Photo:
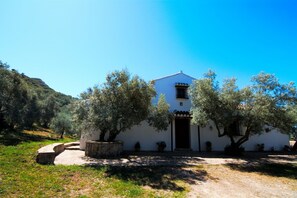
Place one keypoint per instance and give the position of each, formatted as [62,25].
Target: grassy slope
[21,176]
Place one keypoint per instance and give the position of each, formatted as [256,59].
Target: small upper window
[182,90]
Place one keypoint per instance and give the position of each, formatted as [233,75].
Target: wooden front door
[182,133]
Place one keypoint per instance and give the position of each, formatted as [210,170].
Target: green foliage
[265,103]
[27,101]
[160,115]
[120,103]
[62,124]
[81,115]
[13,99]
[48,108]
[32,112]
[294,133]
[161,146]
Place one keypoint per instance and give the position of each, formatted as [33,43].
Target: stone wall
[103,149]
[47,154]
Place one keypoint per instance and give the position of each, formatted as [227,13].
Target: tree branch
[232,139]
[219,131]
[245,137]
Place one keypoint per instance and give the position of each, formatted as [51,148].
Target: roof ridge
[173,75]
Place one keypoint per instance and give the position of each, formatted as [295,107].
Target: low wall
[103,149]
[47,154]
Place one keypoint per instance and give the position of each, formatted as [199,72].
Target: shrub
[137,147]
[208,146]
[260,147]
[161,146]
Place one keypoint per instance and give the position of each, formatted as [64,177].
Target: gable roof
[181,72]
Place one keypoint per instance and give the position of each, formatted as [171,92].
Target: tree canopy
[121,102]
[61,123]
[239,113]
[26,101]
[160,116]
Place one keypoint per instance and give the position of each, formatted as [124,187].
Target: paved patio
[77,157]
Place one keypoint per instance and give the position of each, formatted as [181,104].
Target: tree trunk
[235,148]
[112,136]
[102,135]
[62,134]
[239,142]
[3,124]
[45,125]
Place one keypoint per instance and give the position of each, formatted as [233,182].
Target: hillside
[41,88]
[26,101]
[37,82]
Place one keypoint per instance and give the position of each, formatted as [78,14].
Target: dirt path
[225,182]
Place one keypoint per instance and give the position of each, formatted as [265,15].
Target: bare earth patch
[225,182]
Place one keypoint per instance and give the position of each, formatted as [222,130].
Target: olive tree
[61,124]
[254,109]
[14,99]
[121,102]
[160,116]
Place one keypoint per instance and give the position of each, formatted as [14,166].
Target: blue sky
[73,44]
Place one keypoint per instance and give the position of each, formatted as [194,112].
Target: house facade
[181,134]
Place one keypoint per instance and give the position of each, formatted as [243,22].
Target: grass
[21,176]
[9,138]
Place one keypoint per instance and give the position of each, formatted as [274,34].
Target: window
[181,90]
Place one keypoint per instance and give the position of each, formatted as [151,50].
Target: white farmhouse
[181,134]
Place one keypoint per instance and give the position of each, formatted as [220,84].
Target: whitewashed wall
[271,139]
[166,86]
[88,135]
[209,133]
[194,138]
[146,136]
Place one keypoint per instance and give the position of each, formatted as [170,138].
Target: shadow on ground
[160,177]
[288,157]
[287,170]
[12,138]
